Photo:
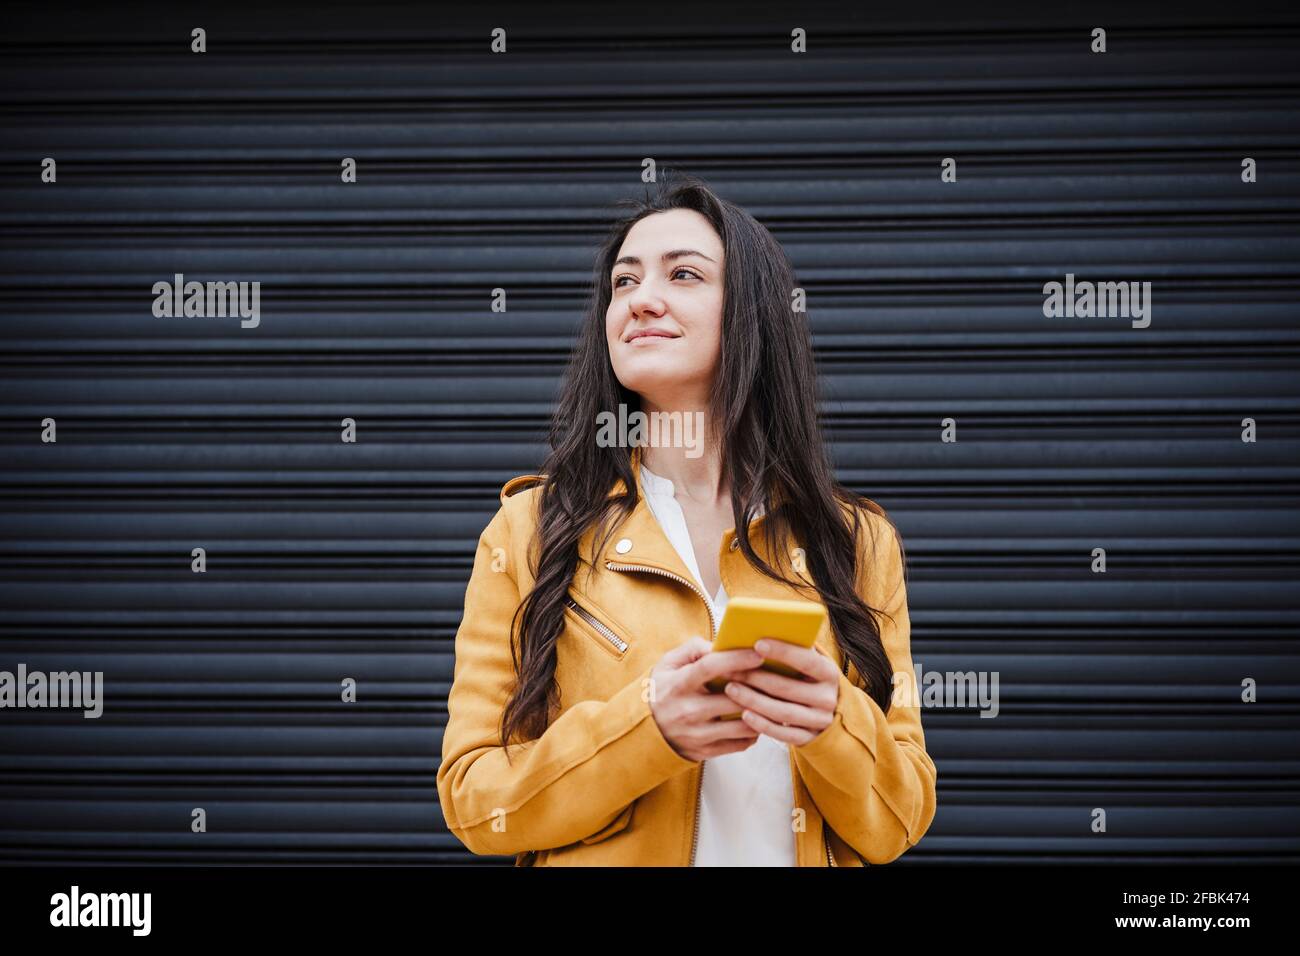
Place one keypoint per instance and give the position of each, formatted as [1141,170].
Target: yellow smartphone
[747,619]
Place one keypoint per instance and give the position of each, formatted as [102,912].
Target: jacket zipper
[601,629]
[699,786]
[695,832]
[826,838]
[668,574]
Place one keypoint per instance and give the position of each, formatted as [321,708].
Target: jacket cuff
[844,755]
[856,715]
[613,748]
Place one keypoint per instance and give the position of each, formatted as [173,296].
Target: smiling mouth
[650,336]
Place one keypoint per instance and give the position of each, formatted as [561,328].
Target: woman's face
[664,322]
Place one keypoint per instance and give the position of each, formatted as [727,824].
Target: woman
[579,726]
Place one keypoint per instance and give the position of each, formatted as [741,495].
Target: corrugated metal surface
[331,560]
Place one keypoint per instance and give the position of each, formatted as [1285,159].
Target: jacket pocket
[619,823]
[604,635]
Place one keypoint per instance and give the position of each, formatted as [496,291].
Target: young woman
[579,725]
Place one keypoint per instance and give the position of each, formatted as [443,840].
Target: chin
[652,378]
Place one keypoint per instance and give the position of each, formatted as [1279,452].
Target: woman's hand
[789,709]
[687,712]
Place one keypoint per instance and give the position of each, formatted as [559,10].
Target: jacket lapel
[645,543]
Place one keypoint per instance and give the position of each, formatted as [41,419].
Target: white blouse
[747,798]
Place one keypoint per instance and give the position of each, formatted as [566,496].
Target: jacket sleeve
[868,773]
[573,781]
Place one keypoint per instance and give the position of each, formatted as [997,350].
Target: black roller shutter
[329,560]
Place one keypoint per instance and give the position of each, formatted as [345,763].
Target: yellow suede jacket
[602,786]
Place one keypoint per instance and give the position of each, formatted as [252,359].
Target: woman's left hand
[788,709]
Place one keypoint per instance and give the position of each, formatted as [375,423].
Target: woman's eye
[618,281]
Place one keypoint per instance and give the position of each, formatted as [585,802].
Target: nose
[645,299]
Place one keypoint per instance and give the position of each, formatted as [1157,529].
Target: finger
[720,663]
[739,673]
[795,736]
[806,660]
[714,706]
[686,652]
[713,731]
[774,709]
[811,693]
[731,747]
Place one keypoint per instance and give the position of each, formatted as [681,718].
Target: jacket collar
[648,546]
[640,534]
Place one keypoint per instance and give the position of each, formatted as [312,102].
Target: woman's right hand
[687,711]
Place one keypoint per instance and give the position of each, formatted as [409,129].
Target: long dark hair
[763,415]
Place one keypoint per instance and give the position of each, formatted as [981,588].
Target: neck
[695,471]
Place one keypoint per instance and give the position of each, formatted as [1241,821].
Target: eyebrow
[666,257]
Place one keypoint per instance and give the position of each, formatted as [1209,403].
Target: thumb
[687,652]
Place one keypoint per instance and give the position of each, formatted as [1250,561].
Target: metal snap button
[624,546]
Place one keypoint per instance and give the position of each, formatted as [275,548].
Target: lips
[651,333]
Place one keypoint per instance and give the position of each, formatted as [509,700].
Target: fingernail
[761,646]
